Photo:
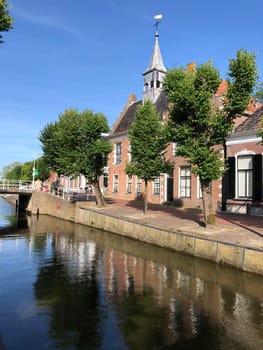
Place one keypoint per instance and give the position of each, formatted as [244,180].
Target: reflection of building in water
[78,256]
[192,302]
[191,297]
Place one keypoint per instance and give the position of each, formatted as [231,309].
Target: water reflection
[72,299]
[113,293]
[9,219]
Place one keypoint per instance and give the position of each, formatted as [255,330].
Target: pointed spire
[156,61]
[156,71]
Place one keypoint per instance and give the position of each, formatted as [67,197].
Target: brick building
[244,187]
[180,186]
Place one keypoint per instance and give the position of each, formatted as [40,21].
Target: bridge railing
[71,194]
[14,184]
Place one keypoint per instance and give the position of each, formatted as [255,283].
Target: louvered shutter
[257,177]
[231,177]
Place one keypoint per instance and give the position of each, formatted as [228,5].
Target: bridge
[14,186]
[19,188]
[24,190]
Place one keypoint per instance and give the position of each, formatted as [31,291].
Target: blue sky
[92,53]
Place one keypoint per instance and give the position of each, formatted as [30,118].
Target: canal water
[65,286]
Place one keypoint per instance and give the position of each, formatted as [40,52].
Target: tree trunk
[146,197]
[99,196]
[209,213]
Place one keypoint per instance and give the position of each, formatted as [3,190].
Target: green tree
[26,171]
[8,168]
[198,125]
[148,140]
[43,170]
[5,20]
[260,133]
[259,92]
[50,147]
[242,80]
[74,145]
[23,171]
[13,171]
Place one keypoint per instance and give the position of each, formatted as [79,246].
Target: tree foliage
[148,140]
[12,171]
[260,132]
[8,168]
[23,171]
[5,20]
[73,145]
[259,92]
[198,125]
[242,80]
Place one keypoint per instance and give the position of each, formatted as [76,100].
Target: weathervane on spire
[158,19]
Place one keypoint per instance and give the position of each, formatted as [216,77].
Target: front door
[170,189]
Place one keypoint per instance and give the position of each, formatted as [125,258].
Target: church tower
[155,73]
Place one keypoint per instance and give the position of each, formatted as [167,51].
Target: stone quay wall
[238,256]
[42,203]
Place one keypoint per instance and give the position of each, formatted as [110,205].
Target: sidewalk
[231,228]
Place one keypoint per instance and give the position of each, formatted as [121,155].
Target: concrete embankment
[241,256]
[42,203]
[10,198]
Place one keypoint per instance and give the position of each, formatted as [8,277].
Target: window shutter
[257,177]
[231,177]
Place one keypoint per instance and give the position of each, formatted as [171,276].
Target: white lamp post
[34,171]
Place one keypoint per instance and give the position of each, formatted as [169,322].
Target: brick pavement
[232,228]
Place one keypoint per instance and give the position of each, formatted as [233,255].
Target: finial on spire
[158,19]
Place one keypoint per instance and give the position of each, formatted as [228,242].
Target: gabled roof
[128,115]
[221,92]
[127,118]
[251,124]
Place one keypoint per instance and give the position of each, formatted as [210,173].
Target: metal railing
[13,184]
[73,194]
[70,194]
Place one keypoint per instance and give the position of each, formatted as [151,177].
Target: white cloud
[43,20]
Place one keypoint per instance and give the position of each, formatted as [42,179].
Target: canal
[66,286]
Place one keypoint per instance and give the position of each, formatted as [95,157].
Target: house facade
[244,185]
[180,185]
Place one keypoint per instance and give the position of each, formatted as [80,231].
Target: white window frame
[157,186]
[118,152]
[129,153]
[174,146]
[185,190]
[129,184]
[199,189]
[138,185]
[244,176]
[115,183]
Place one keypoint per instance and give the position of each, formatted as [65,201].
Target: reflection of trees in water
[142,320]
[157,305]
[2,346]
[146,324]
[73,304]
